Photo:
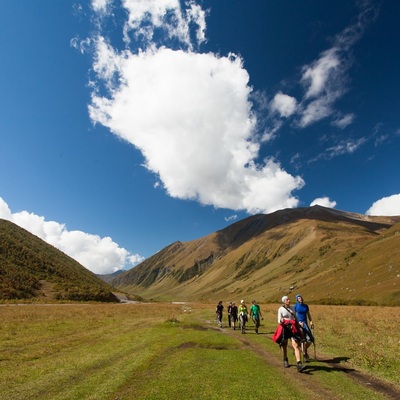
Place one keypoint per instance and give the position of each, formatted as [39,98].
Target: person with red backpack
[289,329]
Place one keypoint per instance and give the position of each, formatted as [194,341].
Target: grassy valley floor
[175,351]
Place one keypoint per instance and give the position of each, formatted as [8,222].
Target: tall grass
[173,351]
[367,336]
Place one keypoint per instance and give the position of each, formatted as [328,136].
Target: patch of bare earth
[47,289]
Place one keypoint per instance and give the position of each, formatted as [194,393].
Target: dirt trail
[308,381]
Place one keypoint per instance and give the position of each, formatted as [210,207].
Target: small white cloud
[99,255]
[316,110]
[231,218]
[318,75]
[147,18]
[386,206]
[296,161]
[380,139]
[324,202]
[345,147]
[82,45]
[100,6]
[283,104]
[197,15]
[269,133]
[343,121]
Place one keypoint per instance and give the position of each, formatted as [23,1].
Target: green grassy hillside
[32,269]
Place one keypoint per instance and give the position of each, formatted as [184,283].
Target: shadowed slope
[31,268]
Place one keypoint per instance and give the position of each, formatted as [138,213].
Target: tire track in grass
[309,382]
[291,374]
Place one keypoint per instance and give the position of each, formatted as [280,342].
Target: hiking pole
[315,351]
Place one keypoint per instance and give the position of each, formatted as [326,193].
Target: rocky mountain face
[327,255]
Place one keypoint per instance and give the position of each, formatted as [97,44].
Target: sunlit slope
[327,255]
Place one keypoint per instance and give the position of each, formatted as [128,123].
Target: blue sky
[128,125]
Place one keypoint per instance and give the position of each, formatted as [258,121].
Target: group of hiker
[234,312]
[294,323]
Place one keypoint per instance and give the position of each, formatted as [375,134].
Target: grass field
[175,351]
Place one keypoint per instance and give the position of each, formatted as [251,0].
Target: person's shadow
[335,360]
[333,365]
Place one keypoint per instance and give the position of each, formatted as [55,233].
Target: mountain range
[327,255]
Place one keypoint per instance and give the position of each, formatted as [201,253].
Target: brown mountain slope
[32,269]
[327,255]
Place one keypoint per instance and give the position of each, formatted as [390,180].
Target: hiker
[218,313]
[303,314]
[244,313]
[234,315]
[289,324]
[243,310]
[229,309]
[255,314]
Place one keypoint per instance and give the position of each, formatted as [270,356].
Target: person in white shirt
[288,319]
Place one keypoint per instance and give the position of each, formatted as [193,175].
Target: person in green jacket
[255,314]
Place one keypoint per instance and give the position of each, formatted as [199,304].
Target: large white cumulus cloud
[99,255]
[386,206]
[188,112]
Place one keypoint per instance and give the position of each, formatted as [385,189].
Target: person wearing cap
[303,314]
[243,310]
[255,314]
[288,319]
